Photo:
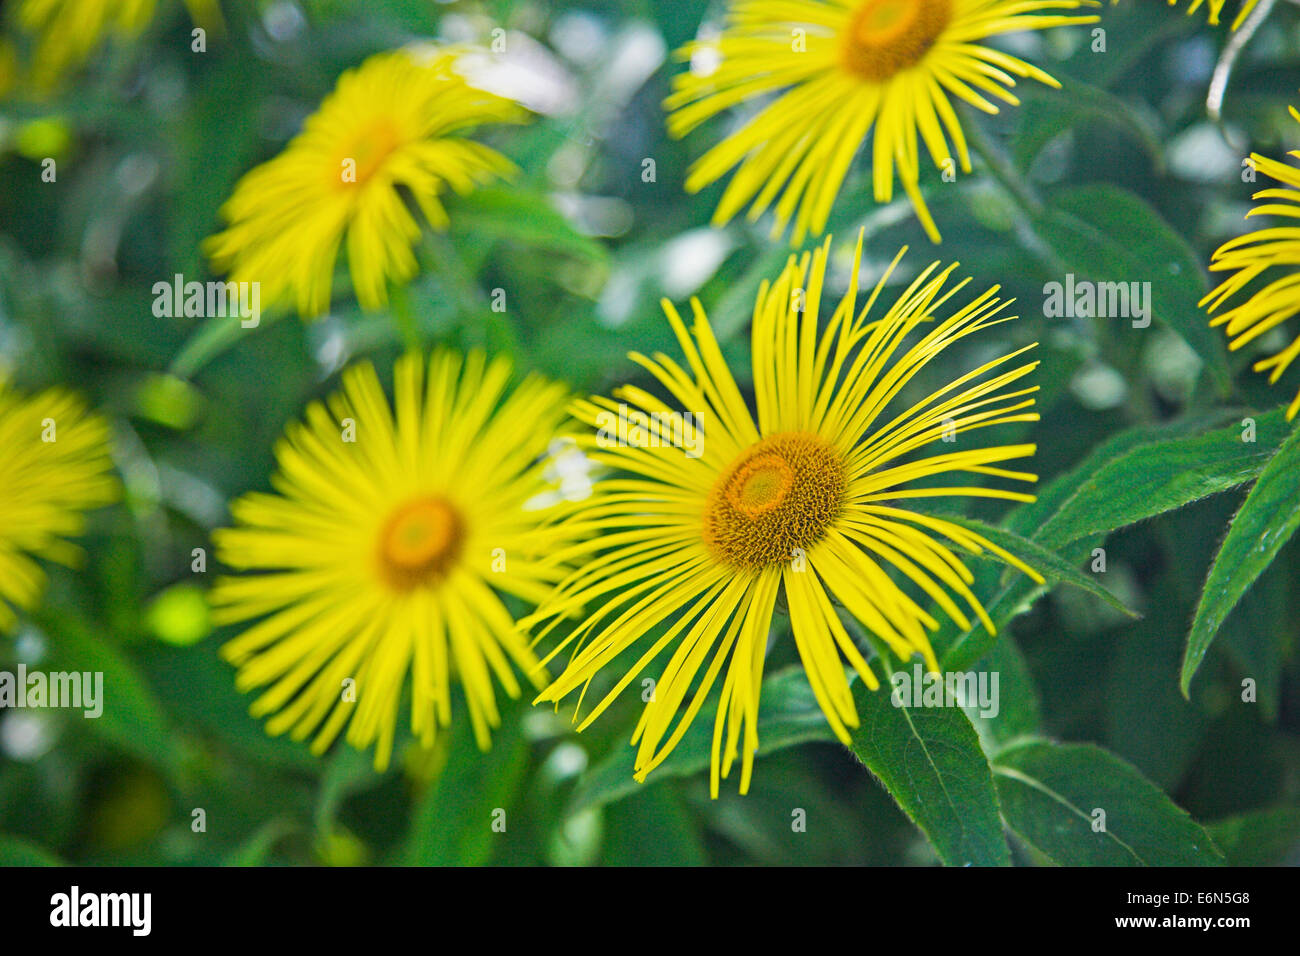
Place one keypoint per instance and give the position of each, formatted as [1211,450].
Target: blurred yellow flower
[839,69]
[1216,8]
[383,550]
[68,32]
[1250,256]
[392,123]
[810,498]
[55,466]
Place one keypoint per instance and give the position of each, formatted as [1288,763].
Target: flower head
[1275,251]
[812,497]
[394,123]
[386,548]
[55,466]
[838,70]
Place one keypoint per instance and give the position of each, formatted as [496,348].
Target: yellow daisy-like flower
[842,68]
[391,124]
[67,32]
[386,548]
[1248,257]
[55,466]
[1216,8]
[809,498]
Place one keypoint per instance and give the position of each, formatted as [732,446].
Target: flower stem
[400,306]
[999,165]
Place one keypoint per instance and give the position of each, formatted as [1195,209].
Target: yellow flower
[392,123]
[68,31]
[842,67]
[1248,257]
[812,498]
[1216,7]
[384,548]
[54,466]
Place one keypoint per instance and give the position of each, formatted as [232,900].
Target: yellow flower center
[367,153]
[779,495]
[885,37]
[419,542]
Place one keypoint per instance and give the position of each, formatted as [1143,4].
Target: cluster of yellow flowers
[397,534]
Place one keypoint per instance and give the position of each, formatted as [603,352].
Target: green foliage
[1099,231]
[1051,795]
[1265,523]
[930,760]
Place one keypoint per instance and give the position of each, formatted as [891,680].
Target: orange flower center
[885,37]
[419,543]
[780,495]
[367,153]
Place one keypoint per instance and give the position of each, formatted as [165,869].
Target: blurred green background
[150,138]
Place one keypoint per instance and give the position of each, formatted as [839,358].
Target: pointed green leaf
[1115,485]
[1048,113]
[1260,838]
[930,761]
[1103,233]
[1051,565]
[1266,521]
[452,823]
[1080,805]
[132,720]
[1161,476]
[525,217]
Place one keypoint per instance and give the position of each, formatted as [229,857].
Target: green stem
[1000,166]
[400,306]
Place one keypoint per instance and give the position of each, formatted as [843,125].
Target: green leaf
[1051,498]
[1074,511]
[1047,114]
[525,217]
[1008,602]
[132,720]
[452,823]
[1153,478]
[1103,233]
[788,714]
[1019,710]
[1050,794]
[1266,521]
[930,761]
[195,681]
[1251,639]
[15,851]
[652,828]
[1260,838]
[348,771]
[214,337]
[257,849]
[730,315]
[1053,567]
